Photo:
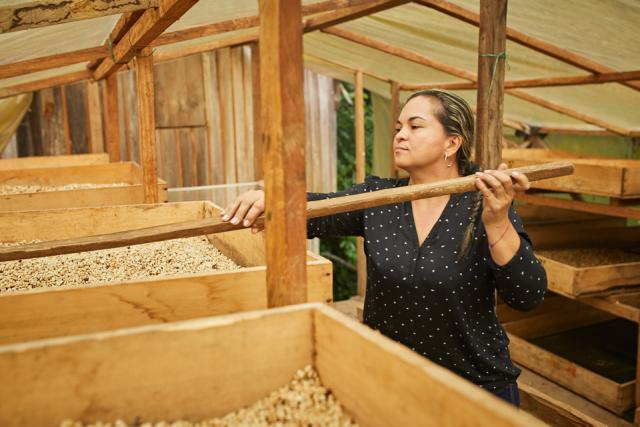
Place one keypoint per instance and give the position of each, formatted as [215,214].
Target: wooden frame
[617,397]
[37,162]
[70,310]
[157,373]
[125,172]
[617,178]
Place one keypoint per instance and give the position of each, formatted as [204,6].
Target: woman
[433,264]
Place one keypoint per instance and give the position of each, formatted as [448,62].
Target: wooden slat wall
[204,121]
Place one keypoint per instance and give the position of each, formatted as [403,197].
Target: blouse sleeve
[521,282]
[343,224]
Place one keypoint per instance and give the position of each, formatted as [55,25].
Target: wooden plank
[360,155]
[215,225]
[538,82]
[617,397]
[225,91]
[51,122]
[121,28]
[214,148]
[180,101]
[52,61]
[76,95]
[49,82]
[150,25]
[146,124]
[238,116]
[490,95]
[33,14]
[112,119]
[247,103]
[168,386]
[38,162]
[353,360]
[94,118]
[65,120]
[258,149]
[423,60]
[595,208]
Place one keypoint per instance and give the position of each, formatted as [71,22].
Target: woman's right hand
[246,208]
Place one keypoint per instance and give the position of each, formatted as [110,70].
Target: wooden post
[637,412]
[94,118]
[395,112]
[258,149]
[491,61]
[111,118]
[283,141]
[65,120]
[358,95]
[147,124]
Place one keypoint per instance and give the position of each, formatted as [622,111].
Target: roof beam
[539,82]
[52,61]
[251,22]
[123,25]
[33,14]
[45,83]
[423,60]
[150,25]
[538,45]
[314,23]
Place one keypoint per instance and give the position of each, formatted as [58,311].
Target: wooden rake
[314,209]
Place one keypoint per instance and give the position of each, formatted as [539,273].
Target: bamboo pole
[358,95]
[314,209]
[147,124]
[490,94]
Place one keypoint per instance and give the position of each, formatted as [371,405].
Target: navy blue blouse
[429,298]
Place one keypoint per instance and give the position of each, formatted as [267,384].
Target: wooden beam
[33,14]
[361,157]
[94,117]
[258,148]
[420,59]
[283,140]
[311,24]
[112,118]
[150,25]
[539,82]
[576,205]
[121,28]
[490,95]
[45,83]
[348,68]
[147,124]
[530,42]
[250,22]
[65,120]
[52,61]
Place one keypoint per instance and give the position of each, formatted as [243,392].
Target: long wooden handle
[314,209]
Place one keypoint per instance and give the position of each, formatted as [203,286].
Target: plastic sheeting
[606,32]
[12,110]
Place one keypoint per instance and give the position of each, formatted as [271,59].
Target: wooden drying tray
[207,367]
[314,209]
[38,162]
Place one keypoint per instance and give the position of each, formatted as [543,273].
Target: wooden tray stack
[590,288]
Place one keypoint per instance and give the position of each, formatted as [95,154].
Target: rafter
[539,82]
[525,40]
[32,14]
[45,83]
[423,60]
[150,25]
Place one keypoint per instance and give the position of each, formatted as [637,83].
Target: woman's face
[420,139]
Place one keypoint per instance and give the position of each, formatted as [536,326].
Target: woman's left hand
[498,190]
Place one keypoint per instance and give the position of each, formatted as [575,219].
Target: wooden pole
[65,120]
[314,209]
[147,124]
[358,95]
[258,149]
[283,141]
[491,61]
[395,113]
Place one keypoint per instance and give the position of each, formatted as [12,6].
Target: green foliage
[344,278]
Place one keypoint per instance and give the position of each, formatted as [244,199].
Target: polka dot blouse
[429,298]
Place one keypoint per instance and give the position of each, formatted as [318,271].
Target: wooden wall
[204,121]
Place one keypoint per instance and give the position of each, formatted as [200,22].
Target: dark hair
[457,119]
